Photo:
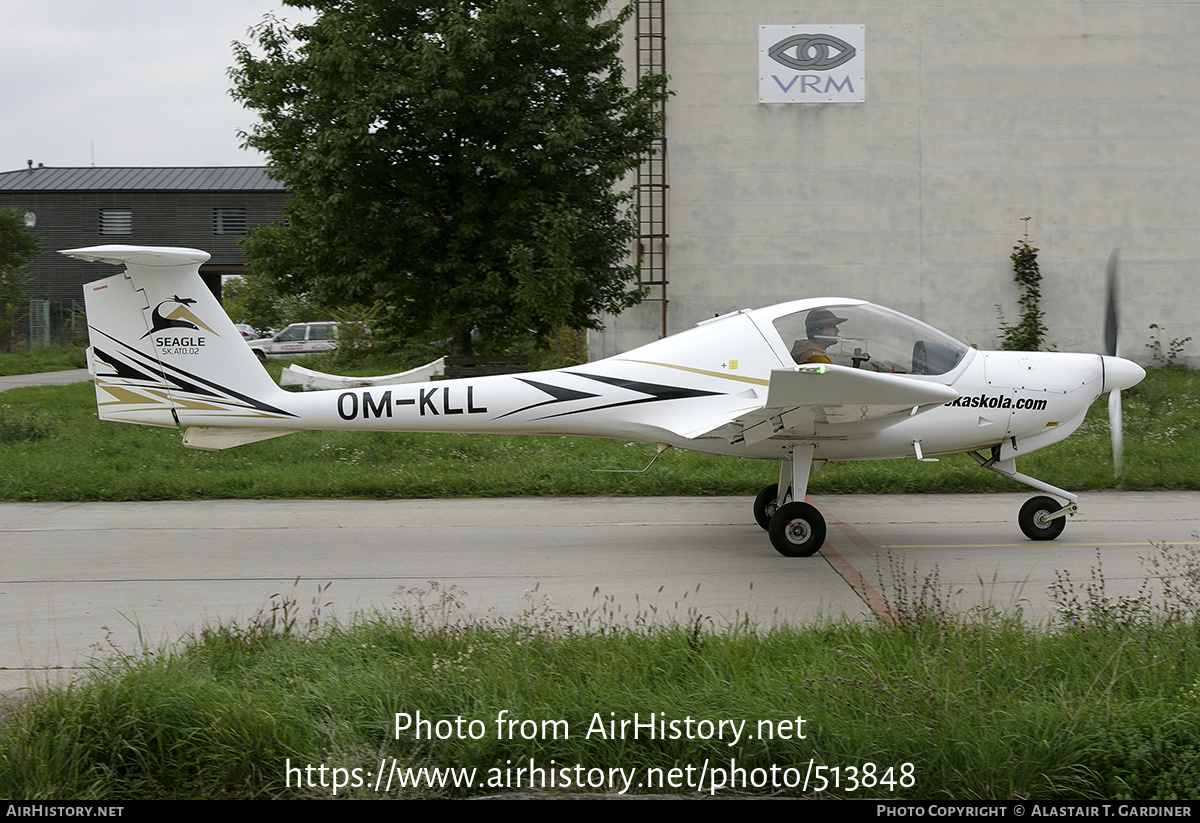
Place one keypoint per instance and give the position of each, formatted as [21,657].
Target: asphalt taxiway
[83,581]
[50,378]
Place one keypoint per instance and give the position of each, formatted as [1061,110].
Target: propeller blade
[1116,424]
[1111,319]
[1111,345]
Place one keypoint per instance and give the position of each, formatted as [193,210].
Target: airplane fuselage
[668,390]
[570,402]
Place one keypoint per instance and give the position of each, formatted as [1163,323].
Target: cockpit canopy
[865,336]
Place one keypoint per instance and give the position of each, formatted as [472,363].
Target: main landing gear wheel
[797,530]
[1034,521]
[765,505]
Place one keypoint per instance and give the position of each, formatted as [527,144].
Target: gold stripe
[121,396]
[228,409]
[158,398]
[758,381]
[195,405]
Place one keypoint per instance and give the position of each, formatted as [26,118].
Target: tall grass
[1100,704]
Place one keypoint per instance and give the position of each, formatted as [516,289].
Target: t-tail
[164,353]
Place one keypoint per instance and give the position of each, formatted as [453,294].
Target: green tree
[457,159]
[257,301]
[1029,332]
[18,245]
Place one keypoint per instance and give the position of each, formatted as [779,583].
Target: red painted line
[865,591]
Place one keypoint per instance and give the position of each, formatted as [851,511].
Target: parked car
[297,340]
[248,332]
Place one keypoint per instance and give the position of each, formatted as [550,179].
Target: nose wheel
[1043,518]
[797,530]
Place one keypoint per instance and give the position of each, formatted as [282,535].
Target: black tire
[797,530]
[1033,522]
[765,505]
[262,358]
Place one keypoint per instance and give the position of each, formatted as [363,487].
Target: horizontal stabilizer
[149,256]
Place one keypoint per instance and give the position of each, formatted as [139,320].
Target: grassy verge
[936,706]
[52,447]
[34,361]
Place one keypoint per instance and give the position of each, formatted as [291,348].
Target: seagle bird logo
[180,317]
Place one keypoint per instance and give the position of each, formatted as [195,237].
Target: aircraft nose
[1120,373]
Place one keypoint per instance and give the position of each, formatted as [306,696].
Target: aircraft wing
[821,401]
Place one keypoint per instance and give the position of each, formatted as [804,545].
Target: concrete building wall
[1083,115]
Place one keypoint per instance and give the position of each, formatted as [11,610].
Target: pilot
[821,326]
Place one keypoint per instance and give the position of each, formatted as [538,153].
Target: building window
[116,221]
[229,221]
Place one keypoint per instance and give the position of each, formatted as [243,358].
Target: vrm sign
[812,64]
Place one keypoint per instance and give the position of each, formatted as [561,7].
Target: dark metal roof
[233,178]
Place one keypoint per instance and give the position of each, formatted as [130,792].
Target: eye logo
[812,52]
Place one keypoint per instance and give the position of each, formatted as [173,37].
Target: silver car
[297,340]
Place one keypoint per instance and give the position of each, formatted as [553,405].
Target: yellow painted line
[1047,543]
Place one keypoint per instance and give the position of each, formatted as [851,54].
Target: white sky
[124,82]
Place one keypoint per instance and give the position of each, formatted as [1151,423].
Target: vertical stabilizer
[163,352]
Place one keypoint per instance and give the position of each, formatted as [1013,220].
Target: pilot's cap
[820,318]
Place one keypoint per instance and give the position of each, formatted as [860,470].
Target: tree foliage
[1029,332]
[258,302]
[458,159]
[18,245]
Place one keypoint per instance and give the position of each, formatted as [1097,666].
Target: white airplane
[801,383]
